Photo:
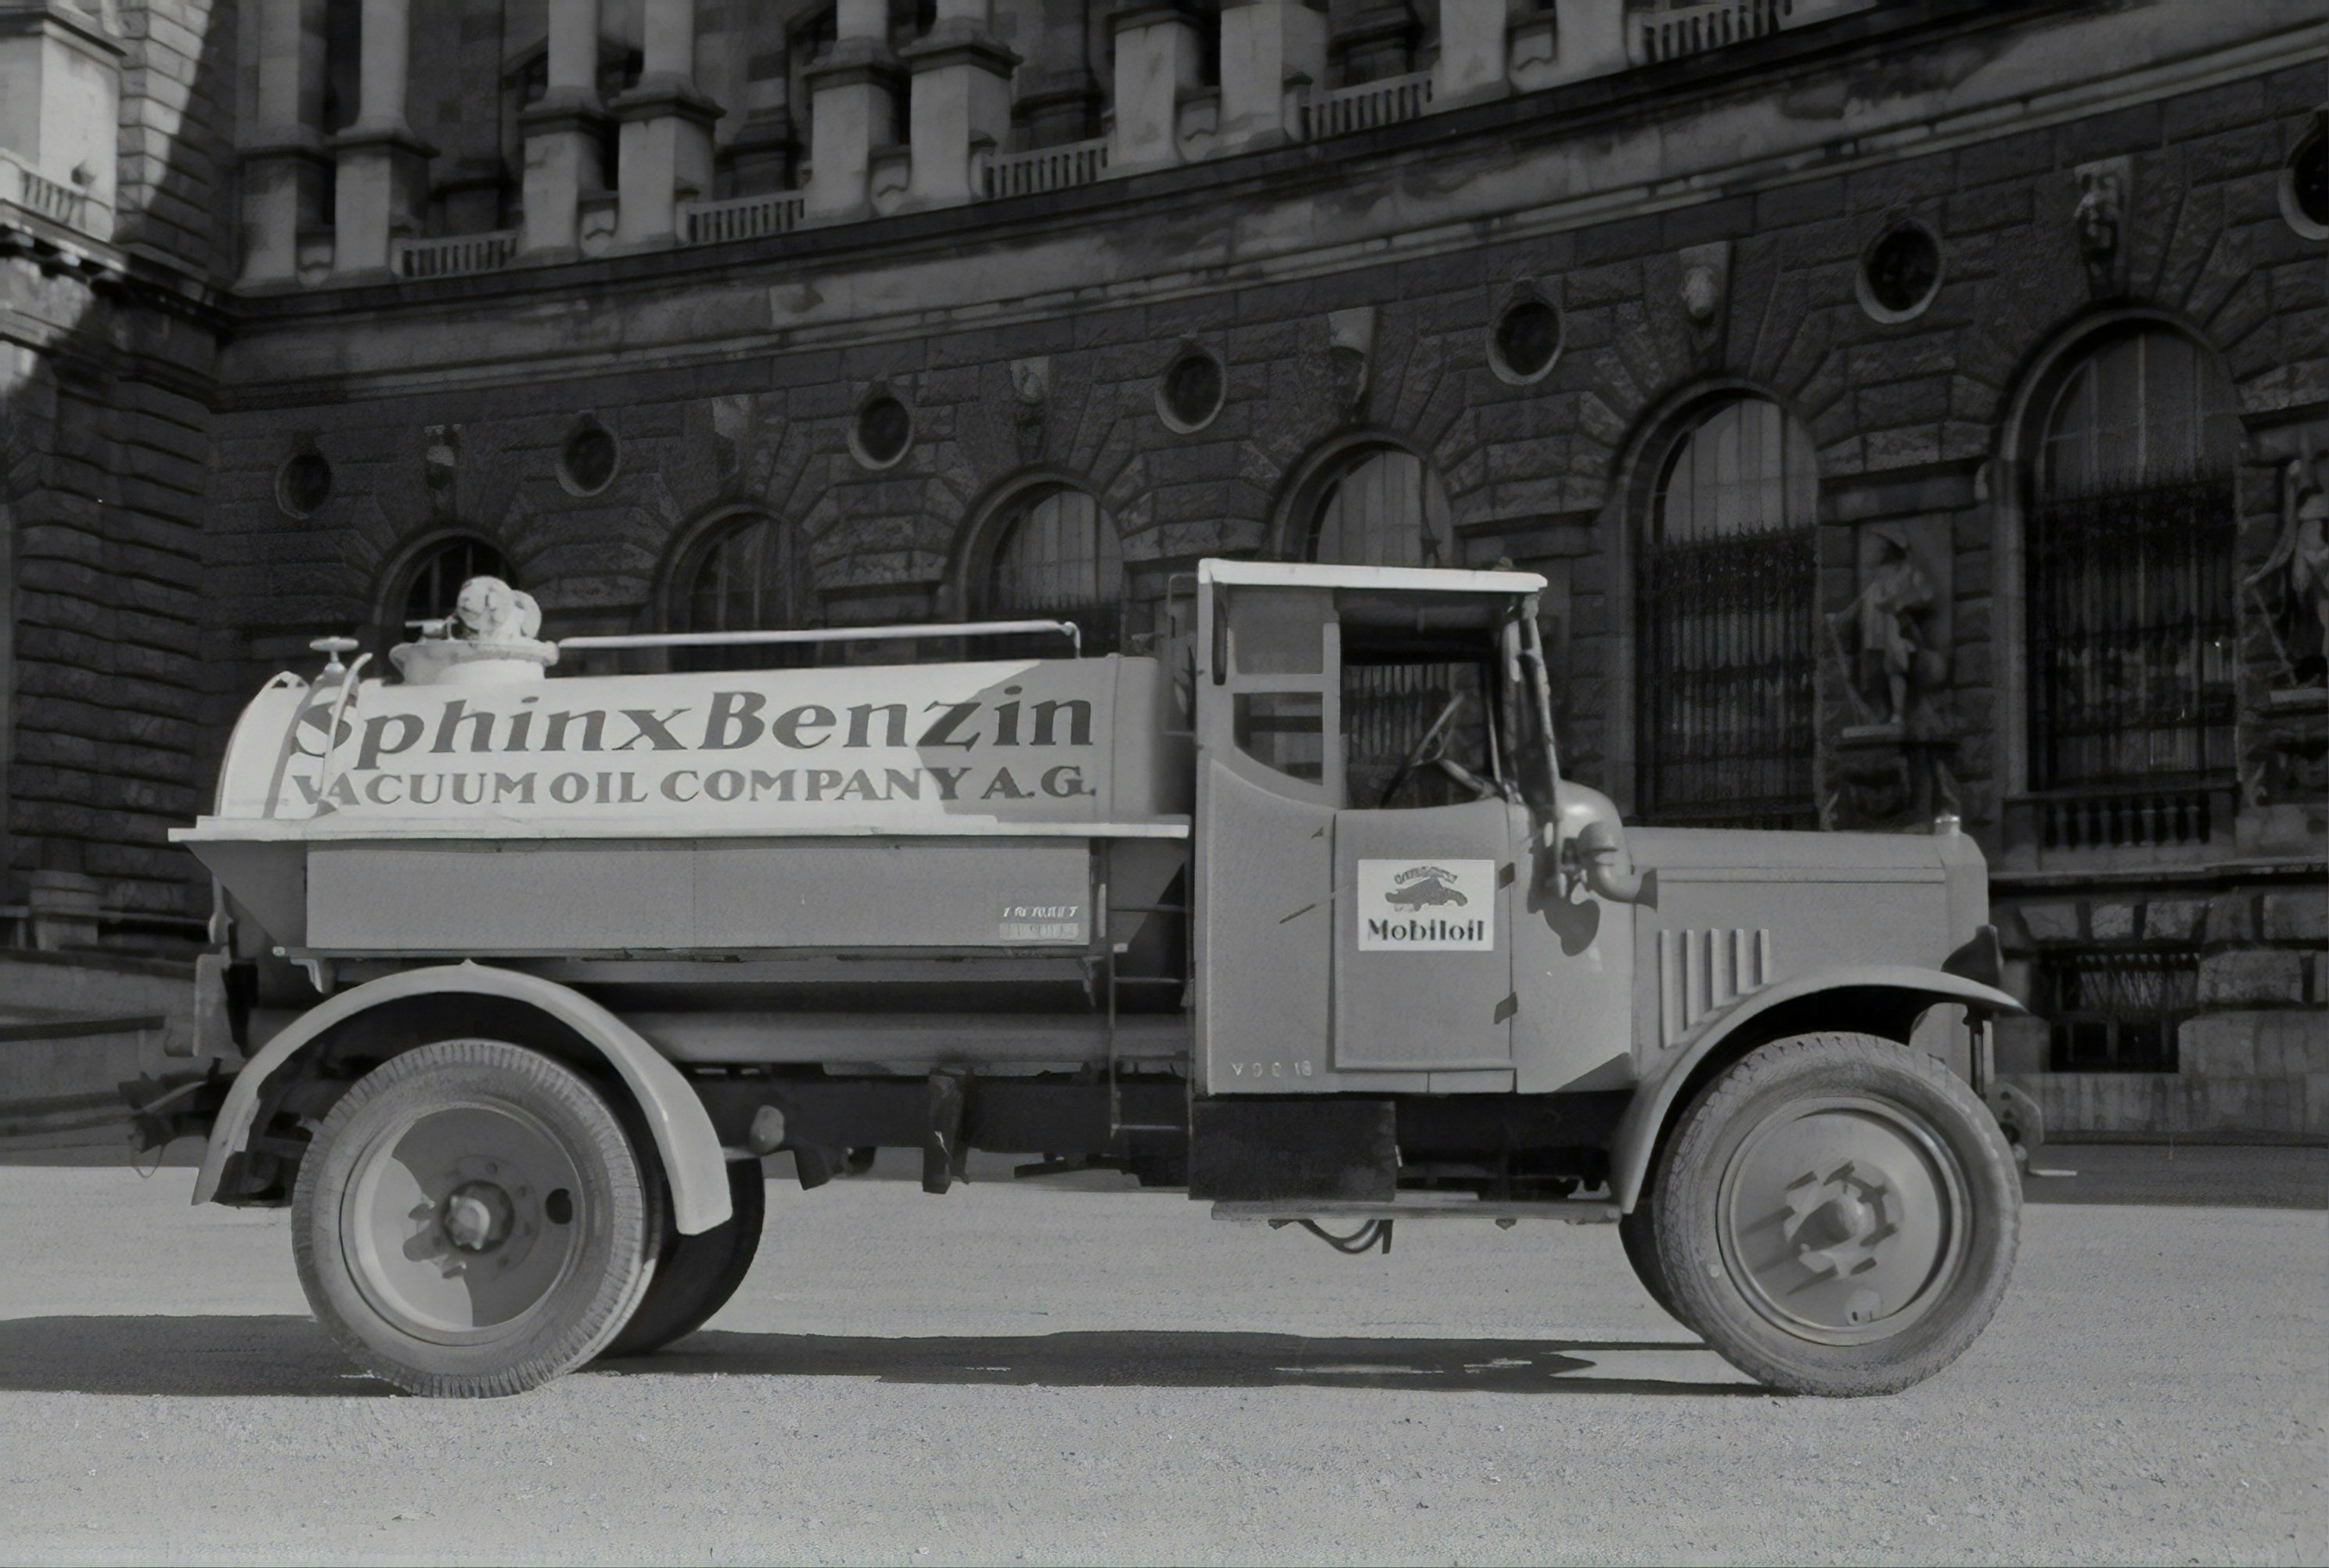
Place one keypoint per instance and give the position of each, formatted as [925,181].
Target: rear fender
[692,1162]
[1878,999]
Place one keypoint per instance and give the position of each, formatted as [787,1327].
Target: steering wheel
[1432,751]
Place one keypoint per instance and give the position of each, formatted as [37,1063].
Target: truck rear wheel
[471,1219]
[1837,1214]
[697,1274]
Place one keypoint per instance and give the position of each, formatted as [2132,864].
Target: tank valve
[331,648]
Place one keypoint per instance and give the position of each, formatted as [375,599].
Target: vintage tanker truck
[525,973]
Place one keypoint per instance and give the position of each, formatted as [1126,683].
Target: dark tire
[1837,1214]
[697,1274]
[1638,1232]
[472,1220]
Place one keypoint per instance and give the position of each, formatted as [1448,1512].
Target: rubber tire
[1686,1187]
[1638,1232]
[585,1308]
[697,1274]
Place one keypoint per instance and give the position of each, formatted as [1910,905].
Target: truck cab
[522,976]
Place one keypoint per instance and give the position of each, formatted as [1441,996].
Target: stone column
[1156,60]
[284,162]
[383,177]
[961,102]
[1590,40]
[1270,50]
[561,131]
[852,111]
[1471,58]
[666,141]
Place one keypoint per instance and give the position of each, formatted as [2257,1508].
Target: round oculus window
[2304,182]
[1527,339]
[1192,392]
[303,484]
[884,430]
[586,463]
[1901,272]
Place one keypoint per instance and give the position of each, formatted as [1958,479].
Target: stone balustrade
[1367,106]
[1044,169]
[65,205]
[744,218]
[453,255]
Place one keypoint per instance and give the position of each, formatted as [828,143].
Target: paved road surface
[1053,1376]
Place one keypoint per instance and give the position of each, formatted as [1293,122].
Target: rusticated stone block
[2232,917]
[2297,915]
[2112,922]
[2218,1045]
[2173,919]
[2050,922]
[2244,978]
[2292,1042]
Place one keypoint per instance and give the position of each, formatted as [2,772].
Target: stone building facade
[1918,408]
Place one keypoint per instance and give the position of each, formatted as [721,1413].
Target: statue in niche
[2299,566]
[1896,660]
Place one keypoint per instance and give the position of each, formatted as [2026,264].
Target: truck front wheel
[1837,1215]
[471,1219]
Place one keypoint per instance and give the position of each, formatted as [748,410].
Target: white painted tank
[478,807]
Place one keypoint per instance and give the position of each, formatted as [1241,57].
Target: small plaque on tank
[1042,923]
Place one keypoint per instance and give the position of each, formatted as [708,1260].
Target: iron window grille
[2131,633]
[1057,556]
[750,577]
[2117,1012]
[1727,654]
[433,586]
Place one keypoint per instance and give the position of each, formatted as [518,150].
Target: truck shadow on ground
[290,1357]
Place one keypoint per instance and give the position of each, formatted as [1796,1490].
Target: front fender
[1855,986]
[693,1161]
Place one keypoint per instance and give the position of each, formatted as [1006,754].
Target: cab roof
[1380,579]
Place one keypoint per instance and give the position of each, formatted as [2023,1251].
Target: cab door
[1423,857]
[1423,964]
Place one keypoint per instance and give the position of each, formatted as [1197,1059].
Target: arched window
[749,576]
[1385,509]
[2127,573]
[432,582]
[1056,555]
[1727,592]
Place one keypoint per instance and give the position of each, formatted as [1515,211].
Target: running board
[1424,1206]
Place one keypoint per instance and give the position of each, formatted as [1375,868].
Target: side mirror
[1590,839]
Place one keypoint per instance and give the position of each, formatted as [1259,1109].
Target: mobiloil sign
[1426,905]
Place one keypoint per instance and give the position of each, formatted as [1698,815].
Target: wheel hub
[477,1216]
[1842,1218]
